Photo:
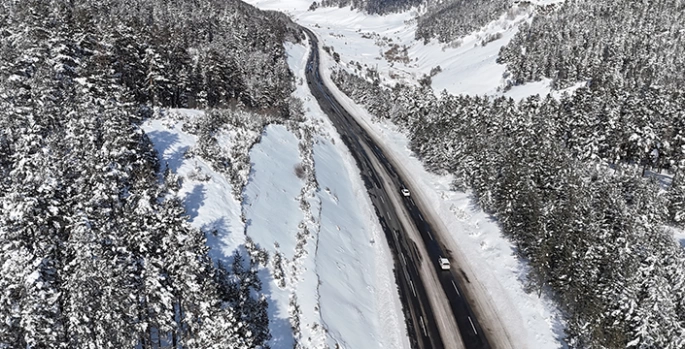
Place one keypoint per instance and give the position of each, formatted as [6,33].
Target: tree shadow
[282,336]
[164,141]
[474,205]
[281,331]
[246,200]
[194,199]
[664,180]
[175,159]
[216,233]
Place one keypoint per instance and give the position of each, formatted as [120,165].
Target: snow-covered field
[467,67]
[337,285]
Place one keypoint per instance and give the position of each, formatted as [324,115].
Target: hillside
[606,44]
[96,251]
[371,6]
[585,183]
[167,180]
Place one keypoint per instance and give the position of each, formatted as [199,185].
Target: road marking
[429,234]
[421,217]
[382,199]
[413,290]
[456,289]
[404,261]
[423,325]
[473,327]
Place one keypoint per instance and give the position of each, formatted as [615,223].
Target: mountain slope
[95,250]
[584,184]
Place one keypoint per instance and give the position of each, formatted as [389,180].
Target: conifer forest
[96,250]
[575,182]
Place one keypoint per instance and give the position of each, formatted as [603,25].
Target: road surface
[437,312]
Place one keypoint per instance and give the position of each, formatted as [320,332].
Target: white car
[444,263]
[405,192]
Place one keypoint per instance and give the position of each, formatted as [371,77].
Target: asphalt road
[445,323]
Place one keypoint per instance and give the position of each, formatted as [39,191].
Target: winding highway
[437,312]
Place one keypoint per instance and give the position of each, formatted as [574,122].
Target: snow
[534,320]
[339,281]
[359,300]
[350,237]
[210,203]
[270,198]
[468,66]
[273,214]
[678,235]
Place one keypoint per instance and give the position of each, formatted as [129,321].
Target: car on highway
[444,263]
[405,192]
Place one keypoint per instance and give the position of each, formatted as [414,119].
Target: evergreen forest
[588,186]
[95,247]
[577,186]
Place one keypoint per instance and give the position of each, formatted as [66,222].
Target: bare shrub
[300,172]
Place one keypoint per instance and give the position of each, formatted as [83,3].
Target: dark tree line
[567,188]
[444,20]
[371,6]
[95,250]
[175,53]
[449,20]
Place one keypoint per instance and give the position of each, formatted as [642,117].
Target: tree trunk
[644,169]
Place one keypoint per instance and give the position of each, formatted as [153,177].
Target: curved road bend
[431,323]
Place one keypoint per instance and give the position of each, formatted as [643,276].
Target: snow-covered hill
[387,45]
[329,277]
[471,69]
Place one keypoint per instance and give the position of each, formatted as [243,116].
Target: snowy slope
[270,199]
[329,280]
[467,67]
[358,297]
[273,215]
[209,204]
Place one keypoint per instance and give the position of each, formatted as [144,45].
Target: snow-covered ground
[679,235]
[209,204]
[535,320]
[337,285]
[466,68]
[358,296]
